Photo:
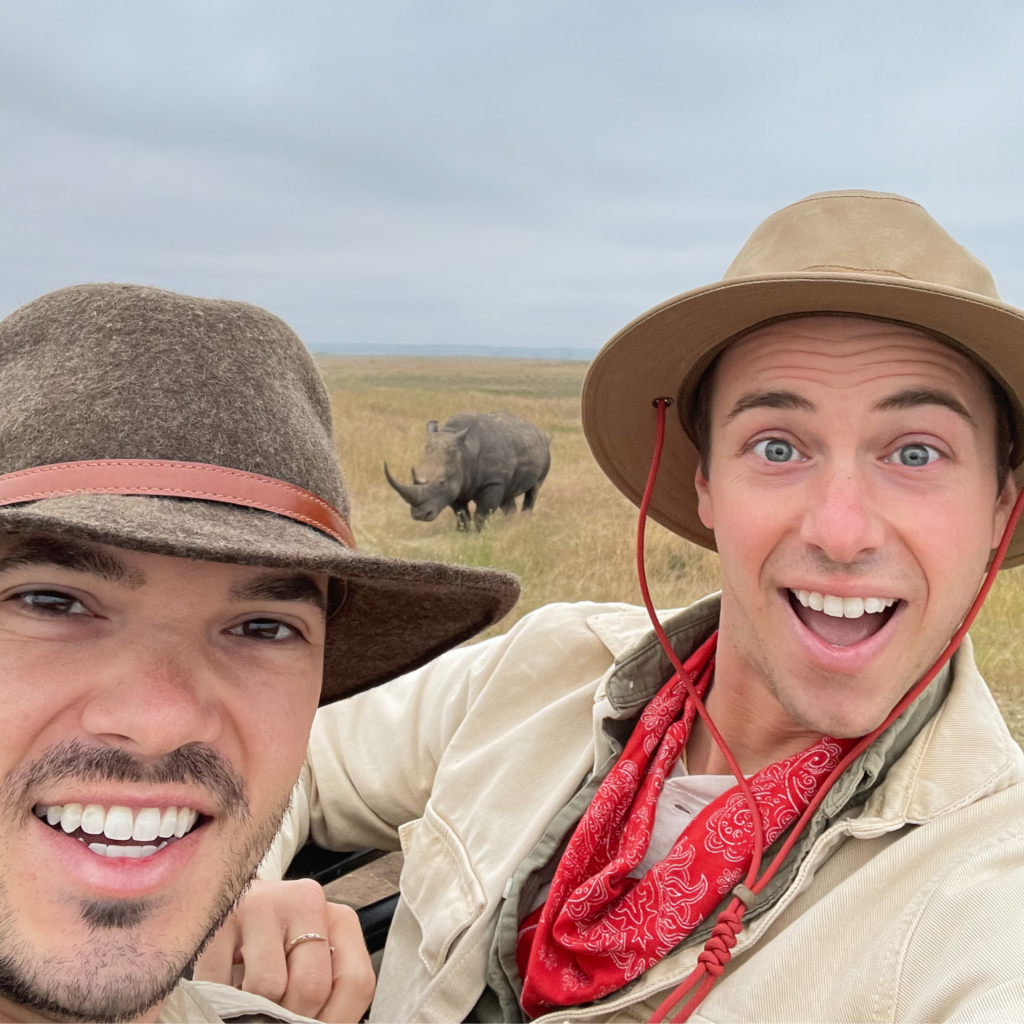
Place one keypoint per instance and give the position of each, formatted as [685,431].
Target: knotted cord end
[717,951]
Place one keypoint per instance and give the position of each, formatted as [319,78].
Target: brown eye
[263,629]
[52,602]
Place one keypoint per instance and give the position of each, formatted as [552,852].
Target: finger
[307,966]
[310,973]
[216,962]
[353,978]
[262,939]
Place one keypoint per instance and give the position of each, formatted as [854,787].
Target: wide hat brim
[663,352]
[396,615]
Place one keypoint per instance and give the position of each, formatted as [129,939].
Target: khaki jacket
[203,1002]
[909,910]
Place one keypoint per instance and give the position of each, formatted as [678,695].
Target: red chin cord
[717,952]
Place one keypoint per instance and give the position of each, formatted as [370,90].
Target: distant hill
[468,351]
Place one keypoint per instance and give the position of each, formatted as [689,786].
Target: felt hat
[200,428]
[854,252]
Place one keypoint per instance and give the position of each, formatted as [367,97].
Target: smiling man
[844,424]
[179,591]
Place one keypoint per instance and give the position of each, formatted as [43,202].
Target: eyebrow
[294,587]
[770,400]
[67,554]
[912,397]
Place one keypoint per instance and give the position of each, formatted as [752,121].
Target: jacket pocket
[438,885]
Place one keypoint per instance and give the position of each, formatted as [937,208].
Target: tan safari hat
[200,428]
[855,252]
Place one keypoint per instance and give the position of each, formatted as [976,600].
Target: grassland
[578,542]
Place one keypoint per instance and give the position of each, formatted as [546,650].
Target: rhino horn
[416,477]
[412,494]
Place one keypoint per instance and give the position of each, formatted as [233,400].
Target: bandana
[599,929]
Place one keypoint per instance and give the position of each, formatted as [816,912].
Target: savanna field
[578,542]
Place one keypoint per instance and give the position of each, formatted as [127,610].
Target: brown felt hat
[854,252]
[121,375]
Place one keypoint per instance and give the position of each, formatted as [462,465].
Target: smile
[132,834]
[842,621]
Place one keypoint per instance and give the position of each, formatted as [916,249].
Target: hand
[248,952]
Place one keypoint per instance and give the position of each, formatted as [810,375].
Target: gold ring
[307,937]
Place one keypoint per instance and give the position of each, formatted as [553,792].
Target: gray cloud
[500,174]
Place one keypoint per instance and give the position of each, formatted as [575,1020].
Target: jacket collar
[949,749]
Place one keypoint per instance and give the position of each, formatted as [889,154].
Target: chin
[841,712]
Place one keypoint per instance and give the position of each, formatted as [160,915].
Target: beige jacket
[203,1002]
[910,910]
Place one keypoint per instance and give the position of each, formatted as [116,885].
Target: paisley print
[599,929]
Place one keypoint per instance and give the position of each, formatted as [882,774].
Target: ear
[456,438]
[1004,506]
[432,427]
[704,506]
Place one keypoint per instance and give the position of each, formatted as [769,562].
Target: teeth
[843,607]
[93,818]
[182,823]
[71,817]
[167,823]
[120,823]
[147,824]
[115,851]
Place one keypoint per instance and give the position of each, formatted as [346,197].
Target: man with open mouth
[796,799]
[179,591]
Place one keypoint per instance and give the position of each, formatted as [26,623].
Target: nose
[841,522]
[154,699]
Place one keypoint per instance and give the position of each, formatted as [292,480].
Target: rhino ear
[432,427]
[460,436]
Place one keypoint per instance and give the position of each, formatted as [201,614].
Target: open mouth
[842,621]
[120,831]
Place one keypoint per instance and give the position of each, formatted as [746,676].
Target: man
[179,589]
[847,409]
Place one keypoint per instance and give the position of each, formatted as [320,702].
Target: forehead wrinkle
[835,369]
[905,345]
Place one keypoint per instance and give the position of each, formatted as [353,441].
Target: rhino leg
[509,507]
[461,510]
[487,500]
[530,497]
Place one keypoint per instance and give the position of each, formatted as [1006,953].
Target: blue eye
[774,449]
[914,455]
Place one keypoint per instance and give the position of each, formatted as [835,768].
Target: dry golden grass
[578,542]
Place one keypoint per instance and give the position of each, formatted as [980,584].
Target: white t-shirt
[682,798]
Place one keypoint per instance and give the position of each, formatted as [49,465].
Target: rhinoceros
[487,458]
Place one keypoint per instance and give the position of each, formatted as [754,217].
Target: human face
[854,460]
[139,682]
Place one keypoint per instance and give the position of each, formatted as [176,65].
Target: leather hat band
[164,478]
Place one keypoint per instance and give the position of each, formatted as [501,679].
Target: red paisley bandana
[599,929]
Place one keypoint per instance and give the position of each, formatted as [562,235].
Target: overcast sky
[491,173]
